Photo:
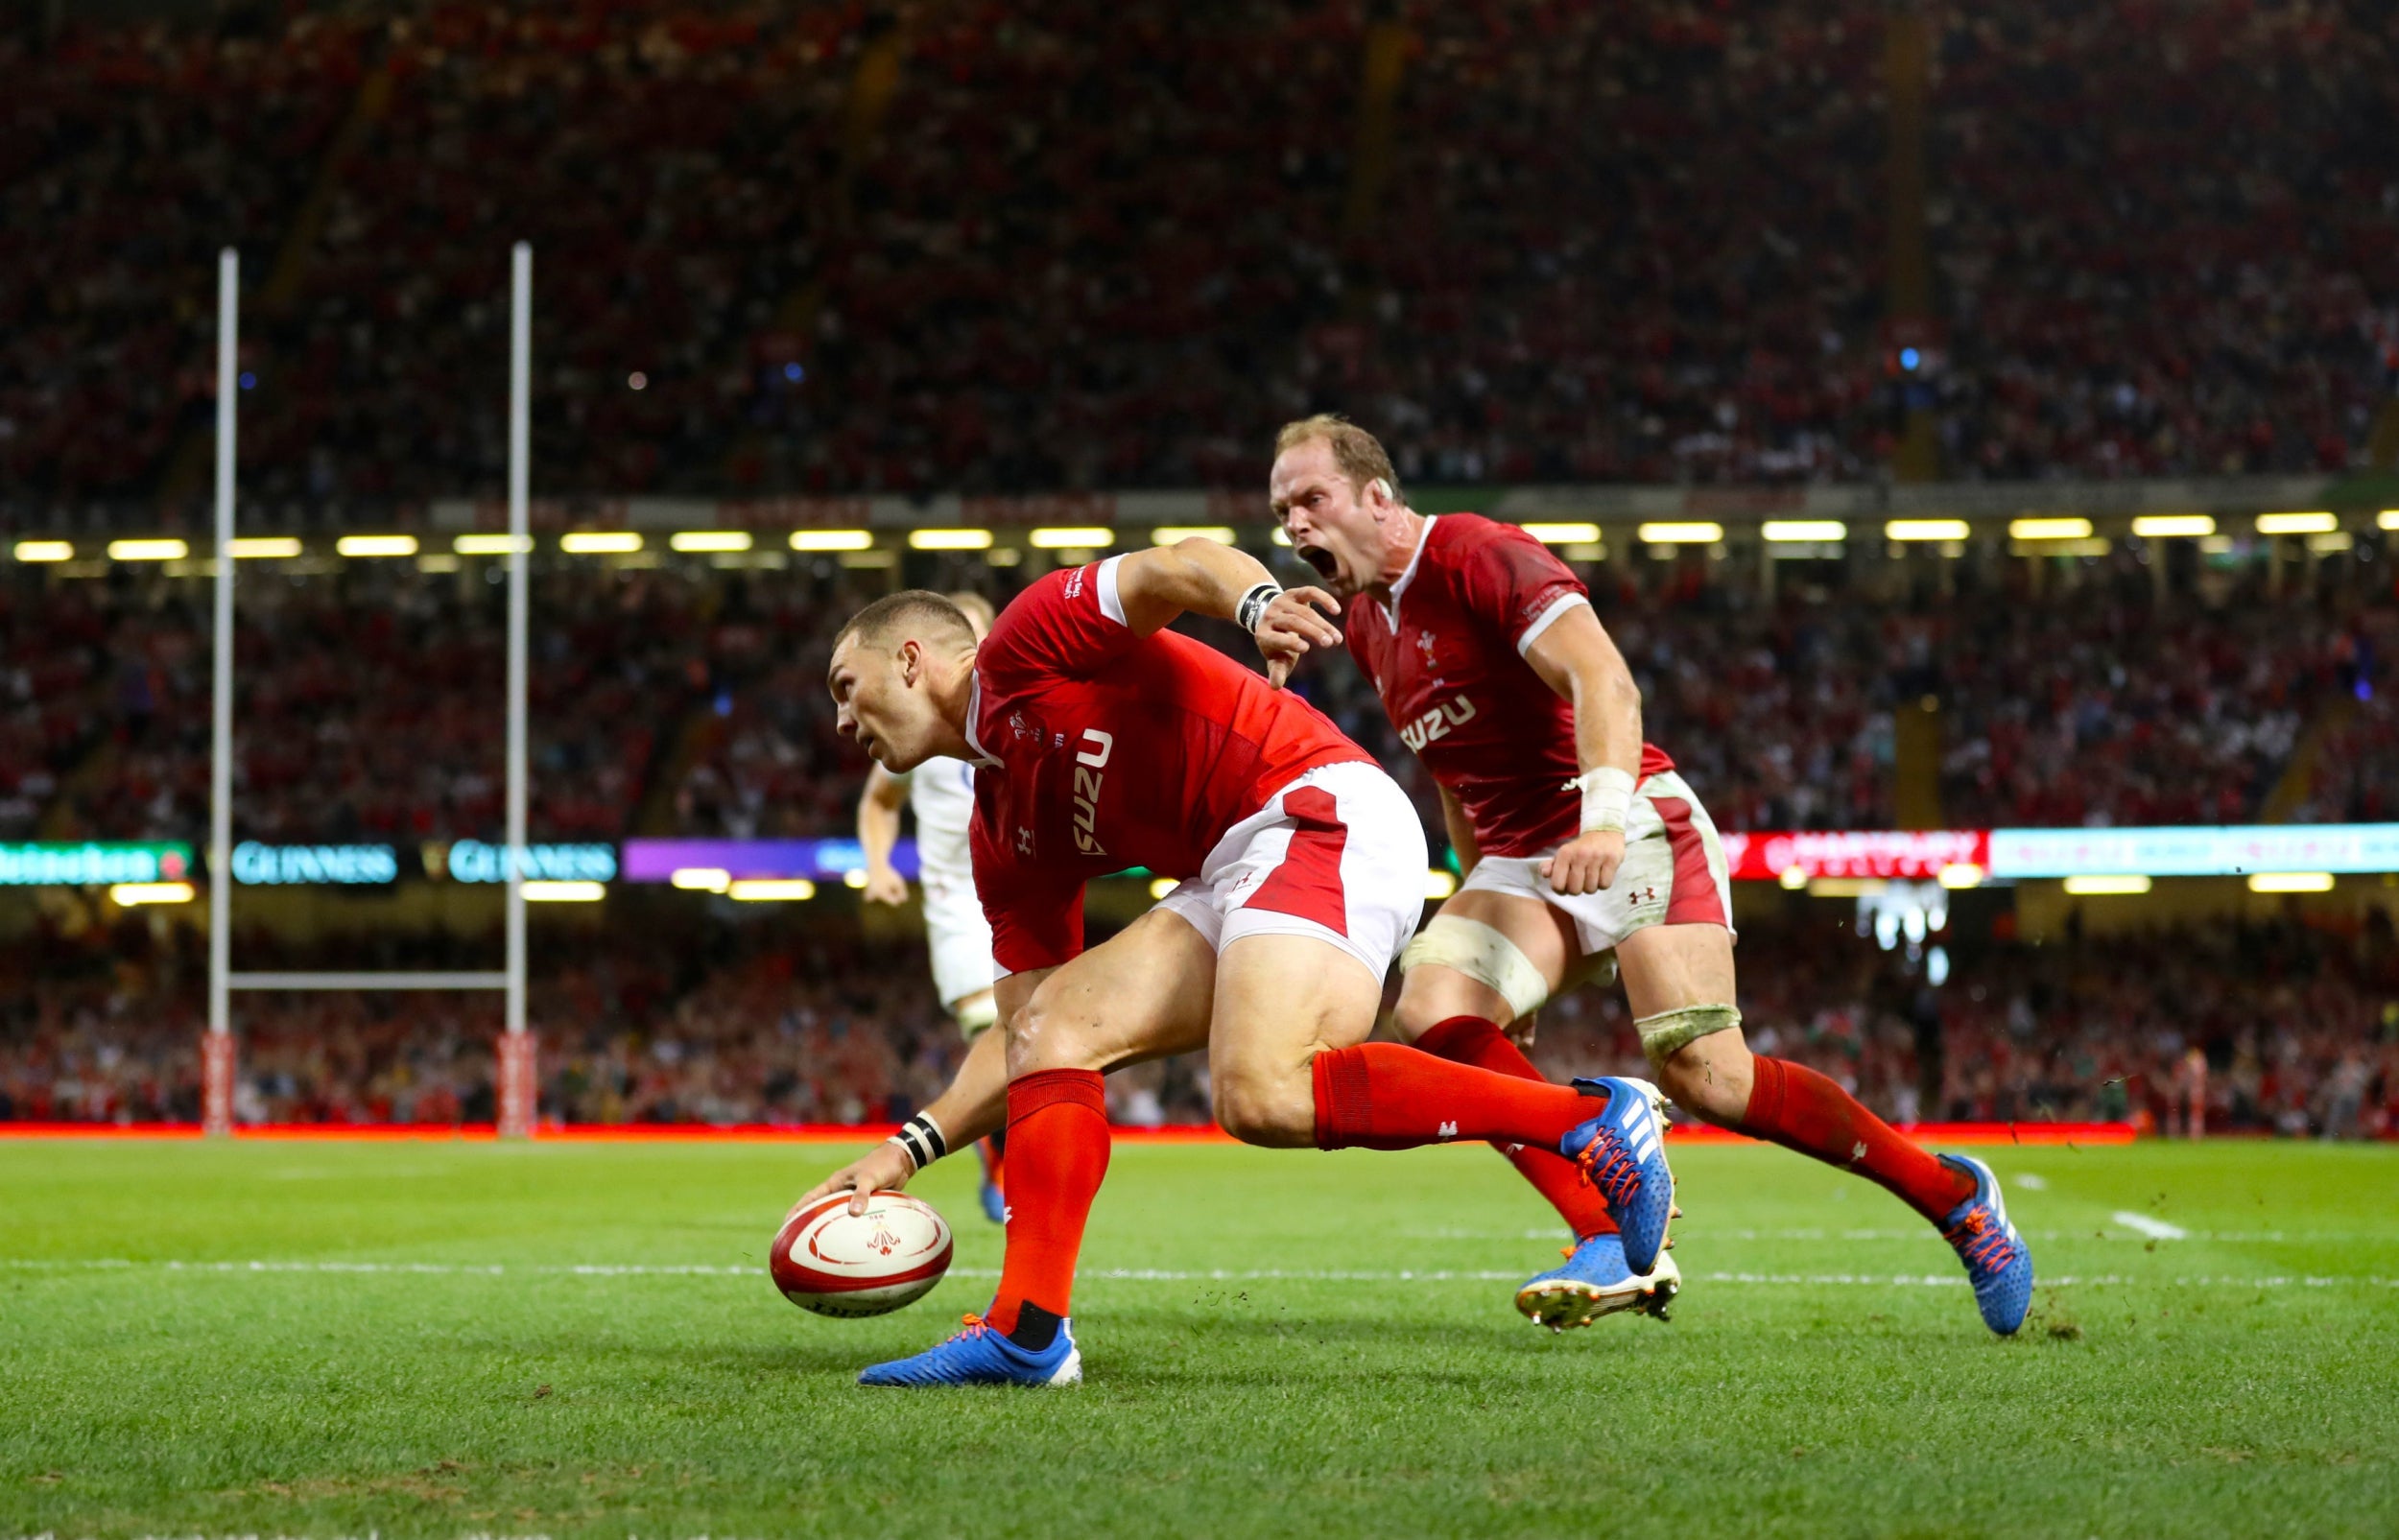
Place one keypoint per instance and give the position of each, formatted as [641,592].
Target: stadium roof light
[949,539]
[709,540]
[376,545]
[2173,526]
[1281,537]
[489,545]
[2120,886]
[148,550]
[1564,533]
[1073,537]
[2331,541]
[2297,523]
[855,879]
[772,890]
[1961,875]
[2388,519]
[566,892]
[2291,882]
[1794,877]
[1804,531]
[1689,532]
[128,894]
[1174,533]
[1438,884]
[1926,530]
[1160,886]
[46,551]
[701,878]
[600,542]
[2048,528]
[832,539]
[264,547]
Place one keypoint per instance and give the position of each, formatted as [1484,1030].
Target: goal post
[516,1080]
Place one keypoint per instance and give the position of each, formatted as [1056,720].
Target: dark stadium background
[829,266]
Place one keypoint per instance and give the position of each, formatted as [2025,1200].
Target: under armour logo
[1647,895]
[1449,1131]
[1856,1152]
[1024,840]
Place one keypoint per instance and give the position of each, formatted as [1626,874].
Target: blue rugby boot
[1594,1281]
[1996,1260]
[1623,1154]
[980,1355]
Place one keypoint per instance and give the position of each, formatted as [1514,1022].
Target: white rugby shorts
[1337,855]
[958,935]
[1673,872]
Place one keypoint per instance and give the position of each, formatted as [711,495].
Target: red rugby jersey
[1099,749]
[1447,658]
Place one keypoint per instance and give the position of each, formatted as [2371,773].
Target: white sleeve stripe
[1111,603]
[1545,620]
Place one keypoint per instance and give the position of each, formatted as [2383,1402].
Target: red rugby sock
[1058,1151]
[1472,1040]
[1383,1096]
[1800,1109]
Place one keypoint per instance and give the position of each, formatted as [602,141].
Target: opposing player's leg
[1143,993]
[1679,983]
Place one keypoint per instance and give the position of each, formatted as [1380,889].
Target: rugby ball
[827,1260]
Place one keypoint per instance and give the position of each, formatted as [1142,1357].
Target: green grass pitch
[460,1377]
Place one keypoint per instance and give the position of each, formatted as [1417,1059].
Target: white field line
[2154,1229]
[1165,1274]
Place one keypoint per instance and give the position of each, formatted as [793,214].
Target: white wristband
[1607,796]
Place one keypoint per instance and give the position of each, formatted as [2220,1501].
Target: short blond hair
[974,606]
[1357,453]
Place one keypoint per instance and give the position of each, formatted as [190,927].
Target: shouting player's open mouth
[1328,565]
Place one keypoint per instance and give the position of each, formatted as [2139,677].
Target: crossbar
[367,980]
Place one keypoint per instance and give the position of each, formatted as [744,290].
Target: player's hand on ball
[1586,863]
[885,886]
[884,1169]
[1291,626]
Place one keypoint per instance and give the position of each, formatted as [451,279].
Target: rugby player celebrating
[1577,840]
[1102,740]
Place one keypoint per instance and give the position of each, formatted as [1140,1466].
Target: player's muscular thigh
[1143,993]
[1280,1000]
[1432,993]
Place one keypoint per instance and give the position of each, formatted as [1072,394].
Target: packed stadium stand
[786,248]
[681,700]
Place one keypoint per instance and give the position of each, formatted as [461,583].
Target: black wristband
[1252,606]
[921,1137]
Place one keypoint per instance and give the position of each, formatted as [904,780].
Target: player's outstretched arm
[1201,578]
[973,1107]
[878,831]
[1576,658]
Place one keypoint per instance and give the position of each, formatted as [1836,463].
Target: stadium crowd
[680,699]
[665,1020]
[826,247]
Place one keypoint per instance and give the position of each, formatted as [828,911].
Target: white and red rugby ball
[835,1263]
